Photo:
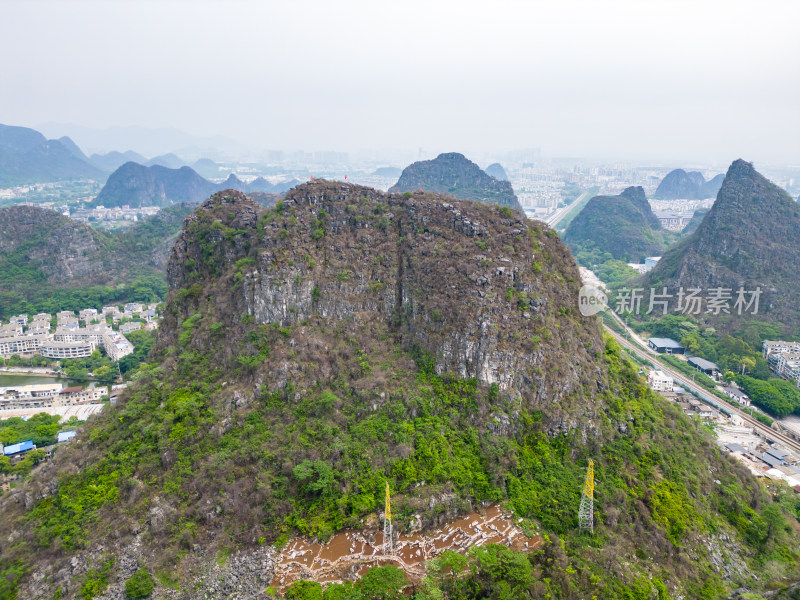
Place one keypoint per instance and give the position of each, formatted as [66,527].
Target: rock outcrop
[479,290]
[452,173]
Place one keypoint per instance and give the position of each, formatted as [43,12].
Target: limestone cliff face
[488,296]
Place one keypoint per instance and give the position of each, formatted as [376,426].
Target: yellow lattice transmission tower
[388,548]
[586,511]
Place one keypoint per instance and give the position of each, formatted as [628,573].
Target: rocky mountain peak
[453,173]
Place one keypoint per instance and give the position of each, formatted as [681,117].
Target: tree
[140,585]
[382,583]
[315,477]
[304,590]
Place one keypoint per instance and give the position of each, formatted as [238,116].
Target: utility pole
[586,511]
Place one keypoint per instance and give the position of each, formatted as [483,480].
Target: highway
[648,354]
[553,219]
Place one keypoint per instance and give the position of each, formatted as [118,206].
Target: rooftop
[703,363]
[17,448]
[665,342]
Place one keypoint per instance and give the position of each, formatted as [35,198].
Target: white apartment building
[784,359]
[23,344]
[660,381]
[65,350]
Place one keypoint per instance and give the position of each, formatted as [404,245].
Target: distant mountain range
[147,141]
[138,185]
[623,226]
[114,160]
[679,184]
[26,156]
[170,160]
[749,239]
[453,173]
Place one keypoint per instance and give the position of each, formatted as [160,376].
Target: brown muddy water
[350,554]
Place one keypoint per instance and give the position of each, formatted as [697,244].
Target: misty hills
[622,225]
[112,161]
[497,171]
[138,185]
[26,156]
[750,238]
[388,172]
[678,184]
[452,173]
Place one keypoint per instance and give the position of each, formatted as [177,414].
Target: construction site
[350,554]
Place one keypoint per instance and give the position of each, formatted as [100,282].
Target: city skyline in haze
[709,81]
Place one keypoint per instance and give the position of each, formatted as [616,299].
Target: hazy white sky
[648,79]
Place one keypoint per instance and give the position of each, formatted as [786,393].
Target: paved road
[647,353]
[553,219]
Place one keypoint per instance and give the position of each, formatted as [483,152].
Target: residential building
[78,395]
[28,396]
[19,320]
[660,381]
[92,333]
[116,345]
[784,359]
[66,350]
[10,330]
[69,323]
[38,327]
[87,314]
[130,326]
[737,395]
[25,344]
